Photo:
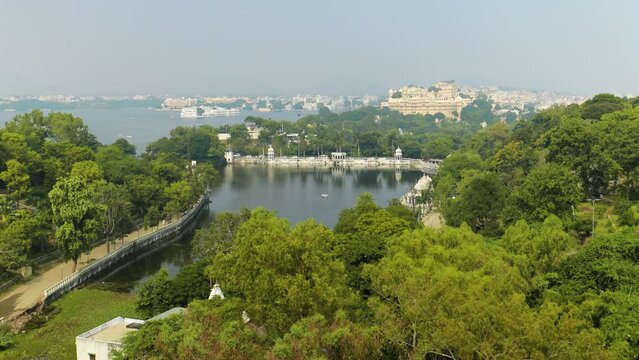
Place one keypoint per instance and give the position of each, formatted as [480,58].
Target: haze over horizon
[282,47]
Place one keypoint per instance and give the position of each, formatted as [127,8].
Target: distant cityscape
[444,97]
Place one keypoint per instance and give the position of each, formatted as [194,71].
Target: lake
[147,125]
[293,193]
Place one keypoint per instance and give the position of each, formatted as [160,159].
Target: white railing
[84,274]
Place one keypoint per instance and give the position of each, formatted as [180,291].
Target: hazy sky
[283,47]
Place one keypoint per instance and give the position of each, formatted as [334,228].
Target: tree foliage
[76,215]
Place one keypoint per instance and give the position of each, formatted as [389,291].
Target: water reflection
[294,193]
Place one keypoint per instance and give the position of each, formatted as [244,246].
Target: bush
[6,337]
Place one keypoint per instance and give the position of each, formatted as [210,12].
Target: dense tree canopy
[40,153]
[515,273]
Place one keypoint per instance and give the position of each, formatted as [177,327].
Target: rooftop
[112,331]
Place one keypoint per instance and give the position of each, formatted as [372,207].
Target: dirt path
[432,219]
[26,294]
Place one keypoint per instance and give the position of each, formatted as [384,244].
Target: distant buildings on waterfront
[442,97]
[304,103]
[447,99]
[522,98]
[178,103]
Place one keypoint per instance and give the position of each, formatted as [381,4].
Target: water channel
[293,193]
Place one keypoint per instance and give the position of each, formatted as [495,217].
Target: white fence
[85,274]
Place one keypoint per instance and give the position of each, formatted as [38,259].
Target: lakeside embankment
[51,282]
[427,166]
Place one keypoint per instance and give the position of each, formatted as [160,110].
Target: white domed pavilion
[270,153]
[398,153]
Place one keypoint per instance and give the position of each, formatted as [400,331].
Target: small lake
[293,193]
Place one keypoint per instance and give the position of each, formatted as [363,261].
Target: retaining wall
[85,274]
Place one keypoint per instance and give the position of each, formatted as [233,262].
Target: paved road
[25,295]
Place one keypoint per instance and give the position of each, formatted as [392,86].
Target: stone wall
[109,261]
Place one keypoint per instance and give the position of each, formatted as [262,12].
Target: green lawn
[77,312]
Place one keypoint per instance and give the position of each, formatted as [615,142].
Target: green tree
[239,137]
[155,295]
[601,104]
[15,242]
[549,189]
[116,164]
[457,162]
[180,197]
[618,134]
[367,242]
[116,210]
[478,203]
[438,147]
[542,246]
[479,111]
[16,179]
[152,216]
[146,192]
[67,128]
[347,219]
[126,146]
[190,283]
[33,126]
[88,169]
[485,142]
[448,294]
[607,263]
[220,235]
[574,144]
[513,155]
[209,330]
[283,274]
[316,336]
[204,175]
[76,215]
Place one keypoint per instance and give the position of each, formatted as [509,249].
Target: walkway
[26,294]
[432,219]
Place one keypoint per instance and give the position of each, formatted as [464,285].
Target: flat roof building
[99,342]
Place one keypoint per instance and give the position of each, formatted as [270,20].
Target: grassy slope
[79,311]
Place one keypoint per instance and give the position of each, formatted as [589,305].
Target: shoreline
[427,167]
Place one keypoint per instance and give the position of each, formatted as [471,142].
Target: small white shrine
[216,291]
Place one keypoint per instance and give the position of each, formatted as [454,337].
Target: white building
[178,103]
[99,342]
[411,198]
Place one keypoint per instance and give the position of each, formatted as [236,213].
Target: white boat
[324,195]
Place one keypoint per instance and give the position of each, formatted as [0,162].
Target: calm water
[145,125]
[293,193]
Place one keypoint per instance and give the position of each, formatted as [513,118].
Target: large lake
[292,193]
[144,126]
